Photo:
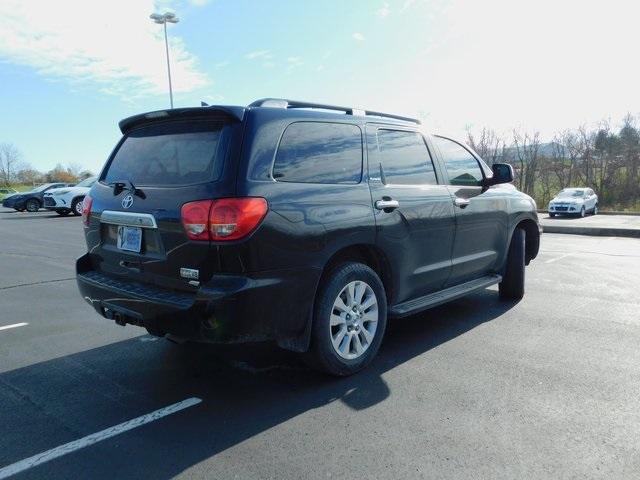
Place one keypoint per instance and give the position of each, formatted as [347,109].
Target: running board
[437,298]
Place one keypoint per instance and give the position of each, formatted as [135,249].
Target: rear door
[413,210]
[481,214]
[154,170]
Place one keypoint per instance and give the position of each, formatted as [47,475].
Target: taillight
[224,219]
[86,210]
[195,219]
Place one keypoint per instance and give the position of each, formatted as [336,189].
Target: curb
[593,231]
[600,212]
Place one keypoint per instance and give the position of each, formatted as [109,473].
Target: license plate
[129,238]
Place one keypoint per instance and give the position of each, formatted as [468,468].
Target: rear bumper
[274,305]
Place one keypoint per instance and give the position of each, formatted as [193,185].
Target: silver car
[574,201]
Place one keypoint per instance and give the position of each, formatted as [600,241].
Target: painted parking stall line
[89,440]
[15,325]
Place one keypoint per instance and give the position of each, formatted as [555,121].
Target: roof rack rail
[284,103]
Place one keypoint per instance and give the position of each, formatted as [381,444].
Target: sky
[70,70]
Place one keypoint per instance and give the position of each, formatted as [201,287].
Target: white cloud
[118,49]
[384,11]
[258,54]
[407,4]
[481,63]
[357,36]
[220,65]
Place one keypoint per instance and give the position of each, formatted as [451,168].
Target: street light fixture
[162,19]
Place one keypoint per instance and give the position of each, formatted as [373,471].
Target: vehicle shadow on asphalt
[244,390]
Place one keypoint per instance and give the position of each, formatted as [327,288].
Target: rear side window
[462,167]
[170,154]
[316,152]
[405,158]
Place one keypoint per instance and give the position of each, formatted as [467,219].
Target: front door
[413,210]
[482,220]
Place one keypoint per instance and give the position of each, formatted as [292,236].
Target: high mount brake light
[86,210]
[224,219]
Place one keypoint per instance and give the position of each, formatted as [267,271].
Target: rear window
[317,152]
[170,154]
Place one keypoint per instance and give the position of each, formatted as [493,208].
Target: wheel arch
[368,254]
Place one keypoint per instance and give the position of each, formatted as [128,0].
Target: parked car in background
[7,192]
[574,201]
[203,216]
[32,200]
[68,200]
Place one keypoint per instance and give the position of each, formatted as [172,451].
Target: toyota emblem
[127,201]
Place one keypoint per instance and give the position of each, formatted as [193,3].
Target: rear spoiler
[234,114]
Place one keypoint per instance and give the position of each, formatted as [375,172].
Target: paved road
[545,388]
[603,221]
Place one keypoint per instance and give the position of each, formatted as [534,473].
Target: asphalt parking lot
[544,388]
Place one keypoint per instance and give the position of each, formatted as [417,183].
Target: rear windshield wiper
[122,185]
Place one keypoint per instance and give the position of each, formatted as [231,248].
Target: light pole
[162,19]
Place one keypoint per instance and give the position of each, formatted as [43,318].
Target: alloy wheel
[354,320]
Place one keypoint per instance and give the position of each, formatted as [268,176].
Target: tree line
[13,170]
[602,158]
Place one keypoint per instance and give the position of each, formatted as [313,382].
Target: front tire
[512,285]
[76,206]
[349,321]
[63,212]
[551,215]
[583,212]
[32,205]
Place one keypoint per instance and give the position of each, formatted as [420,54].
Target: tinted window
[405,158]
[314,152]
[462,167]
[170,154]
[87,182]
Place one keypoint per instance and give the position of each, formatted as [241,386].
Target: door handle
[387,204]
[461,202]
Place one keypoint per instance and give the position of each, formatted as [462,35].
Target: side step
[437,298]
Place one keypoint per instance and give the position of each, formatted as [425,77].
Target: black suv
[301,223]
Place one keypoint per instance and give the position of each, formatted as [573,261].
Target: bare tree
[527,148]
[10,157]
[489,145]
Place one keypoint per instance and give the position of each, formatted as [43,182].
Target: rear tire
[32,205]
[62,212]
[512,285]
[75,205]
[349,320]
[595,209]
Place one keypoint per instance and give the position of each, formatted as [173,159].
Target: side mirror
[502,173]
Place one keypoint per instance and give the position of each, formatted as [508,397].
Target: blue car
[32,200]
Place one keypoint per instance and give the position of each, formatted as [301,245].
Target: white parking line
[95,438]
[15,325]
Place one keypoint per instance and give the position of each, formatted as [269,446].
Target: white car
[574,201]
[68,199]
